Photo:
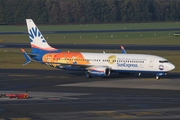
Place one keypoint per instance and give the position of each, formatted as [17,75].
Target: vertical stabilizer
[37,41]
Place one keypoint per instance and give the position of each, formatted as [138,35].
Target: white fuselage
[129,62]
[115,62]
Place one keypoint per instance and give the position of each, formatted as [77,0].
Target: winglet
[123,50]
[28,59]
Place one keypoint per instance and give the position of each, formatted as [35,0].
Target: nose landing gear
[157,77]
[160,74]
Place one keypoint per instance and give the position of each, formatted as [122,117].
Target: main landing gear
[88,75]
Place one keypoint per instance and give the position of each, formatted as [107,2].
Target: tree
[1,13]
[53,11]
[88,11]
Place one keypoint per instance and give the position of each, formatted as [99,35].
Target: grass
[93,26]
[149,38]
[152,38]
[11,60]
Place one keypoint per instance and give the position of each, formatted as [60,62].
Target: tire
[157,77]
[88,75]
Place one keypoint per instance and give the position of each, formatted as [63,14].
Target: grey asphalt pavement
[59,94]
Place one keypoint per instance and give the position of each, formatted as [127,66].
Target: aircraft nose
[171,66]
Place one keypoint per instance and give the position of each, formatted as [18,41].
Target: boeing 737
[94,64]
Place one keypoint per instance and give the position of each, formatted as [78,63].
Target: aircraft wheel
[157,77]
[88,75]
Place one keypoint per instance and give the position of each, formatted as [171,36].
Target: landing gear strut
[160,74]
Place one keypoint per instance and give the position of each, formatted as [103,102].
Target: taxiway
[58,94]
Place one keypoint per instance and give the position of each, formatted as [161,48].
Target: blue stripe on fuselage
[136,71]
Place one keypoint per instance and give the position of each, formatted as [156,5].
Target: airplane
[94,64]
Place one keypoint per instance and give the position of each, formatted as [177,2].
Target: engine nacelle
[99,71]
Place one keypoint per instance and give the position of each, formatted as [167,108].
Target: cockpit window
[163,61]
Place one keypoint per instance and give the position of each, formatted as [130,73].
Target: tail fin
[37,41]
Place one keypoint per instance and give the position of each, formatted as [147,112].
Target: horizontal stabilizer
[28,59]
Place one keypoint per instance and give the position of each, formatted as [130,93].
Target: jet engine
[98,71]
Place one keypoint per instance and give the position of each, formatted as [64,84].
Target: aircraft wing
[123,50]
